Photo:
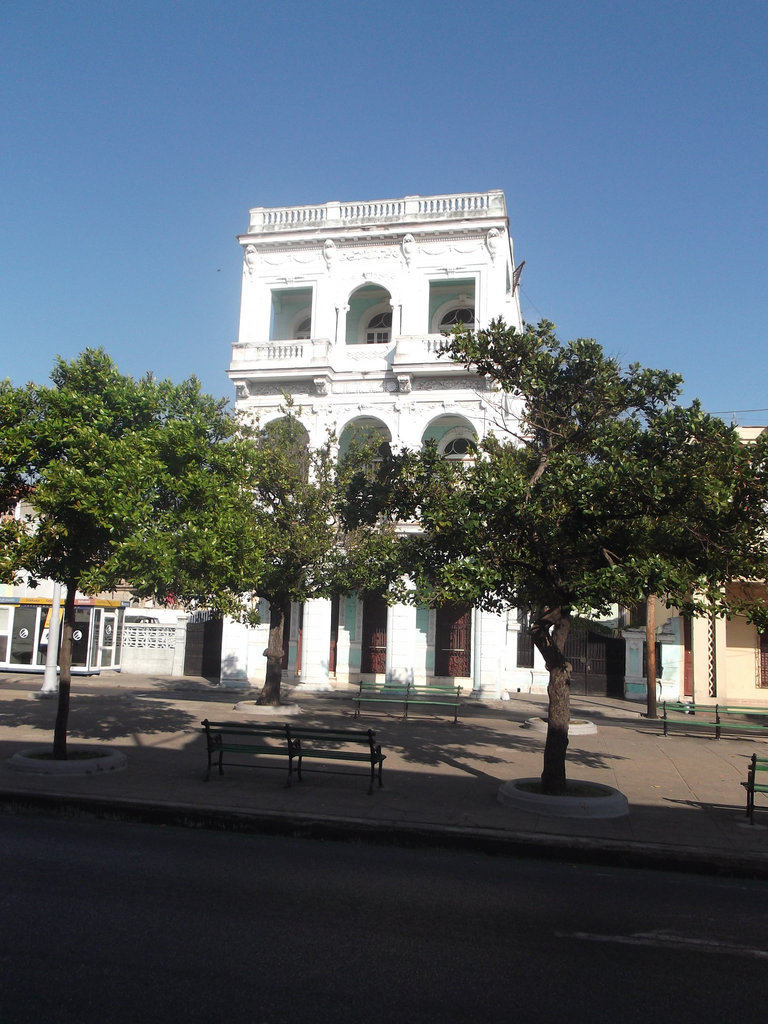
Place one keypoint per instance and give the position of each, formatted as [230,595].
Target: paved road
[121,923]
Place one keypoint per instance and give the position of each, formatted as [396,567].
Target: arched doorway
[369,317]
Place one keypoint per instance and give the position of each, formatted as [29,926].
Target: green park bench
[251,738]
[354,746]
[378,693]
[409,695]
[752,786]
[294,743]
[717,718]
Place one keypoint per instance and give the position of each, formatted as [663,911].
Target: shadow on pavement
[99,717]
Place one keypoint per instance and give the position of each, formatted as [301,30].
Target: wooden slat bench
[407,695]
[254,738]
[752,786]
[434,696]
[355,746]
[376,693]
[717,718]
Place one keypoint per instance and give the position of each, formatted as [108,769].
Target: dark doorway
[202,654]
[453,630]
[687,657]
[332,653]
[597,663]
[374,640]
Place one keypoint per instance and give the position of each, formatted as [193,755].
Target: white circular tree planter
[582,799]
[80,761]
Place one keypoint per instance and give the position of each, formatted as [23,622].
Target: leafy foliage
[300,497]
[126,480]
[597,488]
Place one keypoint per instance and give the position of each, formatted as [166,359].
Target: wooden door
[687,657]
[374,639]
[332,654]
[453,631]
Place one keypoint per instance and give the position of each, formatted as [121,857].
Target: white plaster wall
[401,246]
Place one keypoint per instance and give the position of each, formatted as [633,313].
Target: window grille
[763,656]
[524,640]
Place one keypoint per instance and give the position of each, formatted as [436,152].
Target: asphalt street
[113,922]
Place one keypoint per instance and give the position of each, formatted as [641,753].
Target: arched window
[304,328]
[458,315]
[460,449]
[379,329]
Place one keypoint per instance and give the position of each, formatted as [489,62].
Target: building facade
[344,307]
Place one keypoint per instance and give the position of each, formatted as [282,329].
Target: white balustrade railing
[472,203]
[301,352]
[373,211]
[412,348]
[294,216]
[466,204]
[419,347]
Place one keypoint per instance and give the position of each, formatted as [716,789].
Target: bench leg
[210,765]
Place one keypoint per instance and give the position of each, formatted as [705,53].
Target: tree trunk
[278,612]
[650,659]
[550,632]
[65,674]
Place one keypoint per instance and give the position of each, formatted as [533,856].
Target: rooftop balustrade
[464,206]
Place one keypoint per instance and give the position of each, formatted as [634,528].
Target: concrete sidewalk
[440,780]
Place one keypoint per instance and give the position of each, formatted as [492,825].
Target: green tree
[597,489]
[125,480]
[300,494]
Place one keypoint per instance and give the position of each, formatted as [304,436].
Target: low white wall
[151,648]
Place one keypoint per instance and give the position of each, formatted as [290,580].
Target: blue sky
[631,139]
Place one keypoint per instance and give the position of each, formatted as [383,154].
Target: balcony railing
[301,352]
[410,350]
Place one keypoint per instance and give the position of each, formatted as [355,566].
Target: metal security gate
[597,664]
[202,655]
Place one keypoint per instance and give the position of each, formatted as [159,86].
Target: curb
[687,860]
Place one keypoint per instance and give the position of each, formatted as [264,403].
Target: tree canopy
[299,514]
[123,480]
[597,488]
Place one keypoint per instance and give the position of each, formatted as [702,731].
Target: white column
[180,647]
[489,636]
[316,645]
[401,638]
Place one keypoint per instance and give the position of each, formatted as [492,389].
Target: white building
[344,306]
